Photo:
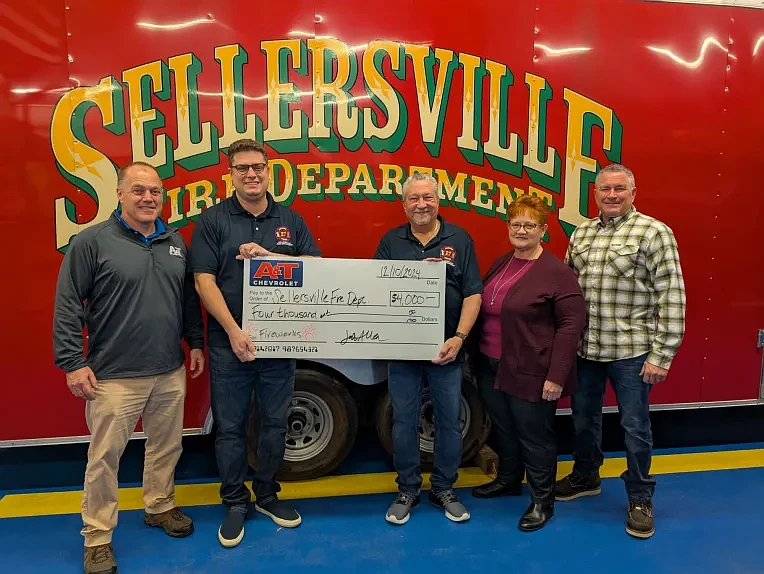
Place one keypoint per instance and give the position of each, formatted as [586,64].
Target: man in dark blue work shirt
[248,224]
[428,237]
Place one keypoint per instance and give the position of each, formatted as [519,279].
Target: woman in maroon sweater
[523,355]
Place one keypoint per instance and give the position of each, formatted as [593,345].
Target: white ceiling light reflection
[549,51]
[759,45]
[177,26]
[344,100]
[220,95]
[25,90]
[362,47]
[699,60]
[301,94]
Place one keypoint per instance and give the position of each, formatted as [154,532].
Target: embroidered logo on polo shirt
[176,251]
[283,236]
[448,254]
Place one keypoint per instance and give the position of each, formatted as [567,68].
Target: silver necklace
[499,284]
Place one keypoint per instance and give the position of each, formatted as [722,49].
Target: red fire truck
[494,98]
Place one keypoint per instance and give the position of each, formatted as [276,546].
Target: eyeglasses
[243,168]
[526,226]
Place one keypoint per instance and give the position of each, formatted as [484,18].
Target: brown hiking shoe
[174,522]
[639,521]
[575,486]
[100,560]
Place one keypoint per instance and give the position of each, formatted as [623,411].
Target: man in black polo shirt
[428,237]
[248,224]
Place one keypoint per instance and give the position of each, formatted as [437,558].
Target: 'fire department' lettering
[337,117]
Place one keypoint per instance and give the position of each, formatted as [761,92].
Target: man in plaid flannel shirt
[628,268]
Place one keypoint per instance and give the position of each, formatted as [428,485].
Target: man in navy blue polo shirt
[247,224]
[428,237]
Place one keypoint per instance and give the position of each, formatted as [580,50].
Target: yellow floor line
[49,503]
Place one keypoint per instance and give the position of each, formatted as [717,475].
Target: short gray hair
[616,168]
[122,174]
[420,176]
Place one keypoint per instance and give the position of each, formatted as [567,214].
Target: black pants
[525,435]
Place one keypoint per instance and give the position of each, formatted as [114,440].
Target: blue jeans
[231,386]
[405,385]
[633,397]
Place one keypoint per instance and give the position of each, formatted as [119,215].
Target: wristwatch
[462,336]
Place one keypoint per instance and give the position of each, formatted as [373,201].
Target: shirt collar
[620,220]
[237,208]
[158,223]
[446,230]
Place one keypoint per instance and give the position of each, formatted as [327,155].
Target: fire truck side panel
[671,90]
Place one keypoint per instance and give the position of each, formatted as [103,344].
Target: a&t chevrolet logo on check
[276,273]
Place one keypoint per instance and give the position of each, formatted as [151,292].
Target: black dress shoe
[498,488]
[536,517]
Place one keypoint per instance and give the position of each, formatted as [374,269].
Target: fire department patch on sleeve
[448,254]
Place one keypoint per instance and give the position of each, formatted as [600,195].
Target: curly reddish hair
[530,204]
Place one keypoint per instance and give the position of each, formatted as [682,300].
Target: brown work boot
[100,560]
[639,521]
[174,522]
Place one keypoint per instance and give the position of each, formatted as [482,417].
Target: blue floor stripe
[705,522]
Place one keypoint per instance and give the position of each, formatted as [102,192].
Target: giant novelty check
[344,308]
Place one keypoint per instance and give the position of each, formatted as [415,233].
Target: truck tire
[475,425]
[322,423]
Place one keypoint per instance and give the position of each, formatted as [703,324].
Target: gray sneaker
[449,502]
[400,510]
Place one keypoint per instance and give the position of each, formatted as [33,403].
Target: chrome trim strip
[685,406]
[207,428]
[79,439]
